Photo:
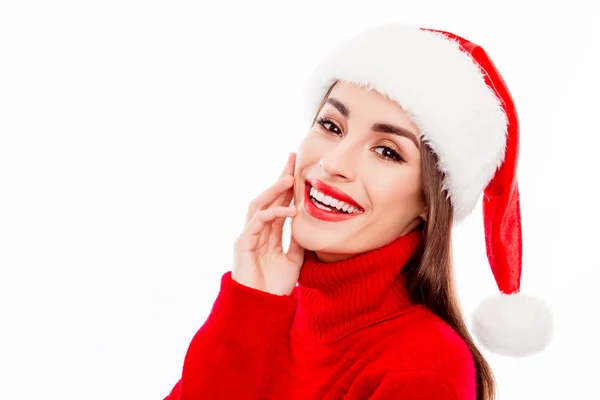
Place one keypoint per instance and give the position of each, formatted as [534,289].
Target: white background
[133,135]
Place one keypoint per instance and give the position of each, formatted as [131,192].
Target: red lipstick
[333,192]
[324,215]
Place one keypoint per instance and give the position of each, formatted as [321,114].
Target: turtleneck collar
[338,298]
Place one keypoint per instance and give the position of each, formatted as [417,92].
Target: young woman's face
[362,145]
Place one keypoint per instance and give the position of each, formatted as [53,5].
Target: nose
[340,162]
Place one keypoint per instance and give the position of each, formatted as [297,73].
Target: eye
[388,153]
[330,126]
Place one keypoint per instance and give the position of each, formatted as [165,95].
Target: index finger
[289,166]
[266,198]
[270,196]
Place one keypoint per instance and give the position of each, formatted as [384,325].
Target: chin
[327,241]
[315,239]
[339,242]
[305,236]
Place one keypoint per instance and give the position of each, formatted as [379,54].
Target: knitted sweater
[348,331]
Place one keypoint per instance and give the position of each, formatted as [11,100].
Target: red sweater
[348,331]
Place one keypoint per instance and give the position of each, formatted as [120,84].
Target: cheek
[402,193]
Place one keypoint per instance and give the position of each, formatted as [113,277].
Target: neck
[337,298]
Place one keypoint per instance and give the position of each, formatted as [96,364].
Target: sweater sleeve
[420,385]
[227,357]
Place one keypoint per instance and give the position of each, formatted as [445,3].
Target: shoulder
[433,341]
[427,352]
[423,384]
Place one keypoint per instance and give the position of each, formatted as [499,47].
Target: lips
[314,211]
[333,192]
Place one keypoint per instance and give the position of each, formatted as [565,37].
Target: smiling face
[362,149]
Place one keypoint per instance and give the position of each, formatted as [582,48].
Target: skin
[347,153]
[381,171]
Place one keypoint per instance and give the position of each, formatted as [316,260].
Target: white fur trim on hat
[443,91]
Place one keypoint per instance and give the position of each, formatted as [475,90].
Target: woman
[409,127]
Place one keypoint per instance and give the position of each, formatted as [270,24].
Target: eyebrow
[377,127]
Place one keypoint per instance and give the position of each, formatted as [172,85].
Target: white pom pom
[514,325]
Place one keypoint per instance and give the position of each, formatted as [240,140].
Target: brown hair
[429,275]
[430,278]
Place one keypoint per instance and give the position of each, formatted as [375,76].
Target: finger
[289,165]
[263,217]
[284,200]
[277,229]
[287,201]
[267,201]
[289,169]
[289,196]
[269,196]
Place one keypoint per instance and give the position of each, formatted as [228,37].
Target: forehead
[370,105]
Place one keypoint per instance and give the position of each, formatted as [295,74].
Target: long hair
[429,275]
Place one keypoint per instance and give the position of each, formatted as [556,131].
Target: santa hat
[456,96]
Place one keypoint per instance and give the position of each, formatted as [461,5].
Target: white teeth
[322,207]
[340,205]
[331,201]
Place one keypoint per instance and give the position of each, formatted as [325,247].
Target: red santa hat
[456,96]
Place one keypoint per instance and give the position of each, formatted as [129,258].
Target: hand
[259,260]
